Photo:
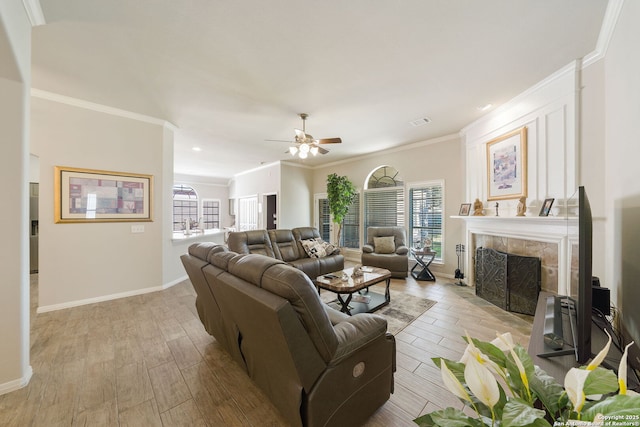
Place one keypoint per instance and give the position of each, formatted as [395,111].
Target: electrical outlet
[137,228]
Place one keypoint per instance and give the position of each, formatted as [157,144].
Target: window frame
[182,199]
[204,215]
[441,245]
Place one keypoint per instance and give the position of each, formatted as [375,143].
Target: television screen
[584,297]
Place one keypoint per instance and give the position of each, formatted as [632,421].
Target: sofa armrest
[356,332]
[402,250]
[367,249]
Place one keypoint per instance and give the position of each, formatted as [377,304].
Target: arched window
[185,206]
[384,198]
[384,177]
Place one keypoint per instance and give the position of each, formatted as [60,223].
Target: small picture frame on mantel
[465,208]
[546,207]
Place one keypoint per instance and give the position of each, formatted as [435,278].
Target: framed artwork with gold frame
[89,195]
[507,165]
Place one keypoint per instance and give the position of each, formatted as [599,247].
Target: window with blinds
[211,213]
[426,205]
[384,207]
[324,220]
[384,199]
[350,237]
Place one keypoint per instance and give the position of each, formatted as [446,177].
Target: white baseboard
[16,384]
[54,307]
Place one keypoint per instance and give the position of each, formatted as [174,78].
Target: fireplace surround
[509,281]
[552,239]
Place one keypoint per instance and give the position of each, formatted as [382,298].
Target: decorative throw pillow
[313,248]
[384,245]
[330,248]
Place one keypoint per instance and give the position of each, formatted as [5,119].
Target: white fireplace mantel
[562,231]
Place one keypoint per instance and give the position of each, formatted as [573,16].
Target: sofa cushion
[284,245]
[221,259]
[203,249]
[384,245]
[313,248]
[293,285]
[251,242]
[251,267]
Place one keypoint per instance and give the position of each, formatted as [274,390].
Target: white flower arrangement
[499,382]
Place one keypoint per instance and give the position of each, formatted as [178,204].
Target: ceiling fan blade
[330,141]
[322,150]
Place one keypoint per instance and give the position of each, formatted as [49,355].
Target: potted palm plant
[340,194]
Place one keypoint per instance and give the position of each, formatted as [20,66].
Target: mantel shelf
[528,219]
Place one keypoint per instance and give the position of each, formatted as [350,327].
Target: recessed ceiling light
[485,107]
[197,149]
[420,121]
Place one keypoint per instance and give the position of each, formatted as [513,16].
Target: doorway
[272,219]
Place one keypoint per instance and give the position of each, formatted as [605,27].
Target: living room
[596,150]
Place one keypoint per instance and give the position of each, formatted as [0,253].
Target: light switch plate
[137,228]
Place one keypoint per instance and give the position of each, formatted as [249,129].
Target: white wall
[548,110]
[295,200]
[420,162]
[85,262]
[15,80]
[622,151]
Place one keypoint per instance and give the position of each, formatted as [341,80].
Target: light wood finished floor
[147,361]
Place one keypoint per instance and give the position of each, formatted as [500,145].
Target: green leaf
[491,351]
[618,405]
[547,389]
[518,413]
[601,381]
[449,417]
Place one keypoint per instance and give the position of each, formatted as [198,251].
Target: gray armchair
[386,248]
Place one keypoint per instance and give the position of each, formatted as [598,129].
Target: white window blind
[384,207]
[426,204]
[350,237]
[324,220]
[248,213]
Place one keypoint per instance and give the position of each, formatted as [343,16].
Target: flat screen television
[584,291]
[580,300]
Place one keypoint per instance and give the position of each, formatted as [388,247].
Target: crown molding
[405,147]
[80,103]
[34,12]
[611,15]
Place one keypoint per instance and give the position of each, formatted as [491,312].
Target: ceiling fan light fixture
[304,148]
[314,150]
[293,150]
[302,154]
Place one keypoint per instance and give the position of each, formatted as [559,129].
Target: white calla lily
[600,357]
[504,341]
[482,383]
[473,352]
[622,370]
[452,383]
[574,386]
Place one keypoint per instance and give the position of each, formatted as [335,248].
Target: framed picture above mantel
[507,165]
[89,195]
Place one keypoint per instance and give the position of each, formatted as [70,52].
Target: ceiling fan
[303,143]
